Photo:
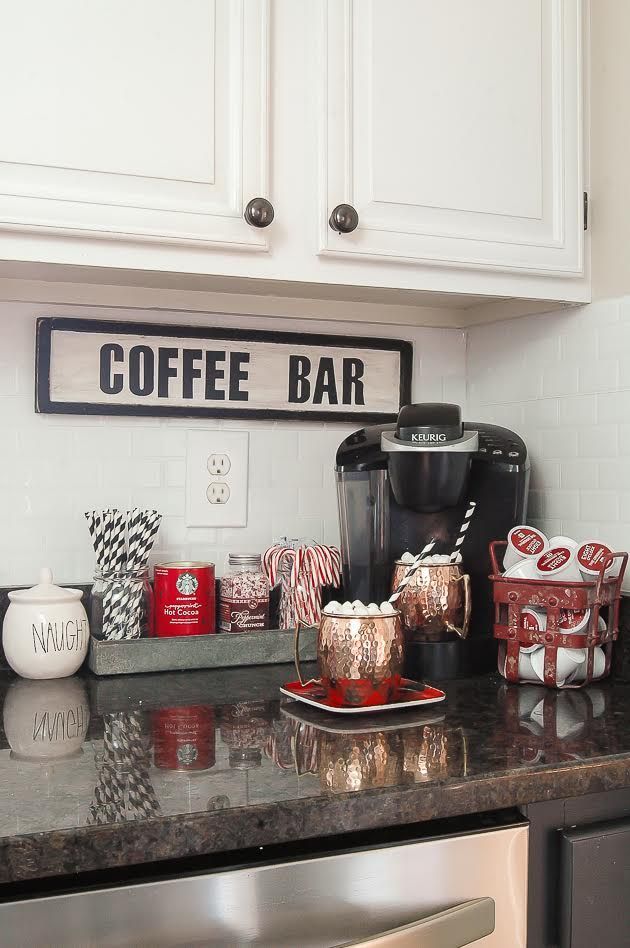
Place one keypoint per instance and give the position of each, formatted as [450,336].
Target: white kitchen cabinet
[455,130]
[143,121]
[134,134]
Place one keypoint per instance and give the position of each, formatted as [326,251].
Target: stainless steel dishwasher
[433,891]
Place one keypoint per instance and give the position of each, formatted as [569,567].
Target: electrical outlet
[218,493]
[216,478]
[219,464]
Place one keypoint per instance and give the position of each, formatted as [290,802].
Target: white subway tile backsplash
[578,431]
[559,379]
[545,412]
[613,406]
[578,410]
[61,465]
[579,473]
[562,504]
[139,474]
[614,475]
[175,473]
[598,376]
[559,443]
[160,442]
[599,505]
[597,441]
[544,474]
[562,380]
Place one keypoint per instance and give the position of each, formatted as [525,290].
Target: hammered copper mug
[360,658]
[435,604]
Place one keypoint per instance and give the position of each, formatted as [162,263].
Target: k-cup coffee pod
[525,669]
[599,665]
[573,621]
[566,661]
[590,556]
[524,543]
[558,564]
[563,541]
[524,569]
[534,620]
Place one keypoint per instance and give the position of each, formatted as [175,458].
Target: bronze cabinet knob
[259,212]
[344,219]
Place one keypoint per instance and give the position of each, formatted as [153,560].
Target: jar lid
[245,559]
[45,591]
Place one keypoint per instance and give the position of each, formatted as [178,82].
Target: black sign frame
[44,403]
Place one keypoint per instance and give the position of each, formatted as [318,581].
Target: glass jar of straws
[121,605]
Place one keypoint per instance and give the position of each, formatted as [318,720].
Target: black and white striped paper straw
[411,569]
[95,526]
[124,790]
[463,531]
[142,528]
[115,540]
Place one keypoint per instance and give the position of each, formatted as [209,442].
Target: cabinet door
[595,879]
[455,130]
[143,120]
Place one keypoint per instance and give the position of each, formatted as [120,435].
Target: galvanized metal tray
[179,653]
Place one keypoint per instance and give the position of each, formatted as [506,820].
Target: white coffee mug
[524,543]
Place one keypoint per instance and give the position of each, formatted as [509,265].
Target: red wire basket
[511,596]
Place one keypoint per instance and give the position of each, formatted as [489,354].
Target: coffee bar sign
[86,366]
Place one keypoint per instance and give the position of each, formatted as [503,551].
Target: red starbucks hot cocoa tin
[184,599]
[184,738]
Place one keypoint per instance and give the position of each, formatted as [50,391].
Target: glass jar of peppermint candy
[244,595]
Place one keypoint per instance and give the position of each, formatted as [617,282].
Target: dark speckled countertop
[88,778]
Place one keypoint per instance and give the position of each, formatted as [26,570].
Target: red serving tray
[410,694]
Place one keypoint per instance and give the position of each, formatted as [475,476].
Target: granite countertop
[88,777]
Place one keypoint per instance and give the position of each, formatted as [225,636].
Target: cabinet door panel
[454,129]
[144,119]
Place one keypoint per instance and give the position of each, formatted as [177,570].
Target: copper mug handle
[463,632]
[296,654]
[296,650]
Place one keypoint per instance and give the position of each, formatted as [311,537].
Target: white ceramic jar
[45,632]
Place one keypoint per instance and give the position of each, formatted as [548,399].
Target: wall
[55,467]
[610,146]
[562,380]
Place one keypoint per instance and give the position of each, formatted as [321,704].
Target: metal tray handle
[454,928]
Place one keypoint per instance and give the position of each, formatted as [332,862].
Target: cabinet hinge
[586,210]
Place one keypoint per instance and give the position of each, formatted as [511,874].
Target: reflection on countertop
[81,755]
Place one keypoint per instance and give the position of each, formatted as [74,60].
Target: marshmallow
[357,602]
[361,610]
[407,558]
[387,607]
[373,609]
[333,606]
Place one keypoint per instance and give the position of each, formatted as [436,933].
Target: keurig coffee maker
[400,485]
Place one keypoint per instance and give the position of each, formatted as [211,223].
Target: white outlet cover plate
[201,444]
